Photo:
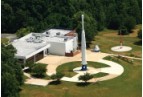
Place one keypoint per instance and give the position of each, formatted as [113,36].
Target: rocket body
[83,46]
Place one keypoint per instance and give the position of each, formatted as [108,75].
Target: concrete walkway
[54,61]
[36,81]
[128,57]
[113,71]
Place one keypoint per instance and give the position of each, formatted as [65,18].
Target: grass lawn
[109,38]
[4,40]
[100,74]
[129,84]
[67,68]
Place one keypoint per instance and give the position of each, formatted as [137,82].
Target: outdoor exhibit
[71,48]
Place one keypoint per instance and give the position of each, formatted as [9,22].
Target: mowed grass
[100,74]
[129,84]
[109,38]
[67,68]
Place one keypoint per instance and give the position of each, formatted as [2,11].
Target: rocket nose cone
[82,15]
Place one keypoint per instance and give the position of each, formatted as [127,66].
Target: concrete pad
[40,82]
[90,70]
[121,48]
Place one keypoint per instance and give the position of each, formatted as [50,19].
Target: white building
[35,46]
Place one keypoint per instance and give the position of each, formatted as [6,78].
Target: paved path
[128,57]
[54,61]
[36,81]
[113,71]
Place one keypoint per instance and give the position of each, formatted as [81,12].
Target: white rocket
[83,46]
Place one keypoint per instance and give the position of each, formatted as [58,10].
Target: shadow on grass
[27,70]
[19,89]
[139,43]
[55,83]
[83,84]
[38,76]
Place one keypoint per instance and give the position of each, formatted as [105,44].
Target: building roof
[27,49]
[34,43]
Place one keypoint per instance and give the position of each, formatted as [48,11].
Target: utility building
[35,46]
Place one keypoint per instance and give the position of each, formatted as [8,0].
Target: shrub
[85,77]
[30,65]
[39,70]
[23,31]
[140,34]
[57,76]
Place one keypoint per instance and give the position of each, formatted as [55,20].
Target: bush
[39,70]
[140,34]
[57,76]
[24,31]
[85,77]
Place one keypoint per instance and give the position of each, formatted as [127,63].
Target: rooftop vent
[66,38]
[58,33]
[30,39]
[37,40]
[47,32]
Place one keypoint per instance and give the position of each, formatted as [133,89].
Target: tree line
[46,14]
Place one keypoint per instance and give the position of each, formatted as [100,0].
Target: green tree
[23,31]
[134,10]
[115,22]
[9,85]
[140,34]
[85,77]
[46,14]
[57,76]
[123,31]
[130,23]
[39,70]
[12,75]
[90,25]
[98,13]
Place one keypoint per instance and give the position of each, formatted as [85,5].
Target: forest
[40,15]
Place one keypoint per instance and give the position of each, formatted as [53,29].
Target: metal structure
[121,41]
[83,46]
